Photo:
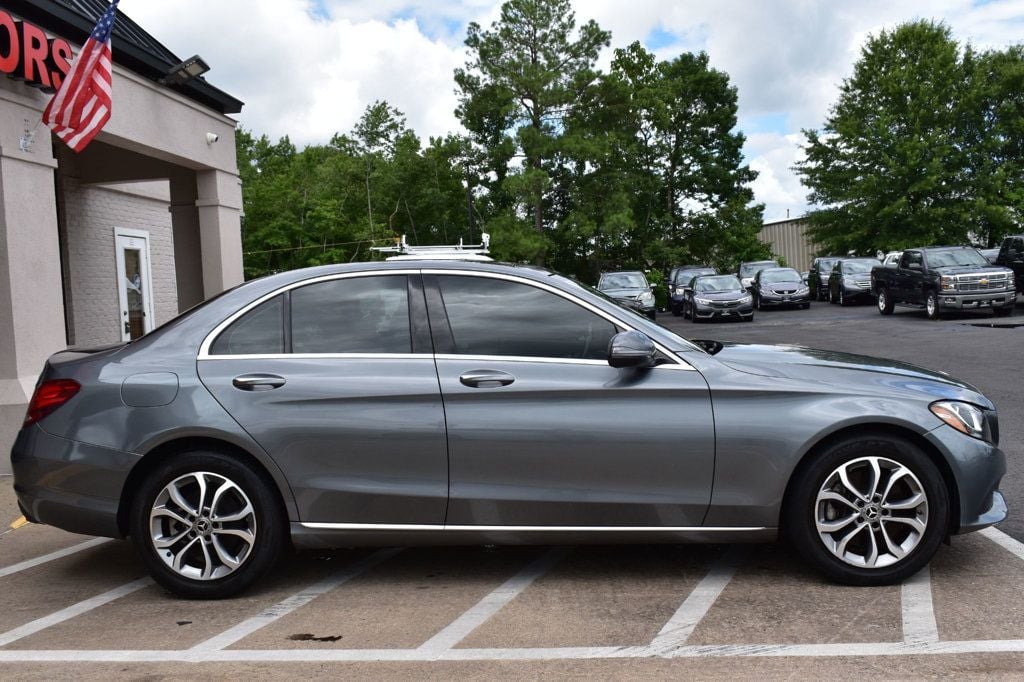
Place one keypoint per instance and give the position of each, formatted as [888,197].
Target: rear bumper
[984,299]
[67,484]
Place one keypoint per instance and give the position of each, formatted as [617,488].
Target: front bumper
[706,312]
[987,299]
[67,484]
[633,304]
[855,292]
[780,300]
[977,469]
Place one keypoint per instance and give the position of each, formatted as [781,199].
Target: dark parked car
[747,271]
[721,296]
[817,279]
[631,290]
[779,288]
[1011,255]
[679,279]
[444,402]
[944,279]
[850,280]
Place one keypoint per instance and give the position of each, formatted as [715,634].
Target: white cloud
[308,68]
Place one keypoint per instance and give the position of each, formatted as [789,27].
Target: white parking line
[1005,541]
[74,610]
[535,654]
[681,625]
[476,616]
[918,612]
[59,554]
[283,608]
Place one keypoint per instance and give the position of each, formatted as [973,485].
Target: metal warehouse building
[102,246]
[789,239]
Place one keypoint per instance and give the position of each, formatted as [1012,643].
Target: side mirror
[631,349]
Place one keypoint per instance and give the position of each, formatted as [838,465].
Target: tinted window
[498,317]
[622,280]
[354,315]
[778,276]
[855,266]
[942,259]
[751,269]
[260,331]
[723,283]
[910,257]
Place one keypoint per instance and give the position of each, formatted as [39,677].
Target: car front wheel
[207,526]
[931,305]
[885,304]
[868,511]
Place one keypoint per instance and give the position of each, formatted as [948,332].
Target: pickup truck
[1011,255]
[941,279]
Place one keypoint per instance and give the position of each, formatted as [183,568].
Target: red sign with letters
[27,54]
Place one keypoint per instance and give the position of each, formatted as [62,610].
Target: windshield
[851,267]
[622,280]
[706,285]
[751,269]
[941,259]
[826,264]
[777,276]
[684,276]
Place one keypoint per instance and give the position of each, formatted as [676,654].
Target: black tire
[757,302]
[653,315]
[931,306]
[270,534]
[1003,311]
[842,298]
[885,302]
[674,309]
[805,305]
[748,319]
[801,510]
[693,316]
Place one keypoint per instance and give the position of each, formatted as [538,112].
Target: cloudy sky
[307,68]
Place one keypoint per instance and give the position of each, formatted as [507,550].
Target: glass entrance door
[135,297]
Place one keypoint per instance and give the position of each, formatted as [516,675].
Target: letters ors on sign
[27,54]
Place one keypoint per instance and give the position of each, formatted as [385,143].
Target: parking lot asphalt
[78,607]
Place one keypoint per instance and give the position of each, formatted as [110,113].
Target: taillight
[48,397]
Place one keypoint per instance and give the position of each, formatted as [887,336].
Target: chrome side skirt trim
[528,529]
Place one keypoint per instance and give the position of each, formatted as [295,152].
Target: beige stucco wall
[92,212]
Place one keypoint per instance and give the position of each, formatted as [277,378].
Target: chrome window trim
[677,362]
[529,529]
[204,349]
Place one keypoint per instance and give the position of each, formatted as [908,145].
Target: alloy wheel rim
[881,300]
[203,526]
[931,304]
[871,512]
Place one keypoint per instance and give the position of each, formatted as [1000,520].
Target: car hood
[972,270]
[835,368]
[722,295]
[631,292]
[782,286]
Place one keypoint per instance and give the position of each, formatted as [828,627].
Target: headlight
[647,297]
[963,417]
[948,283]
[746,299]
[703,301]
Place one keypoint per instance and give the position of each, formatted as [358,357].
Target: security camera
[211,138]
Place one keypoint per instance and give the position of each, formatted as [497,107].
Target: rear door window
[259,332]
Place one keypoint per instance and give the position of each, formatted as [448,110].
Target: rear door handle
[258,382]
[486,378]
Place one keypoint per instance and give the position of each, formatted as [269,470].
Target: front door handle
[258,382]
[486,378]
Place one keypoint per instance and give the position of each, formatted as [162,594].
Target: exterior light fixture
[193,67]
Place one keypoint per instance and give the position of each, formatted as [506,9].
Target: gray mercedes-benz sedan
[447,402]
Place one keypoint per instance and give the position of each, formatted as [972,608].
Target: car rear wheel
[868,511]
[885,304]
[206,525]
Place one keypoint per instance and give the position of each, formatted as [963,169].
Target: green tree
[525,74]
[922,146]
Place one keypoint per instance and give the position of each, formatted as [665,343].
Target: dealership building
[102,246]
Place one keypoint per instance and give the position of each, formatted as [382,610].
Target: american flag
[81,107]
